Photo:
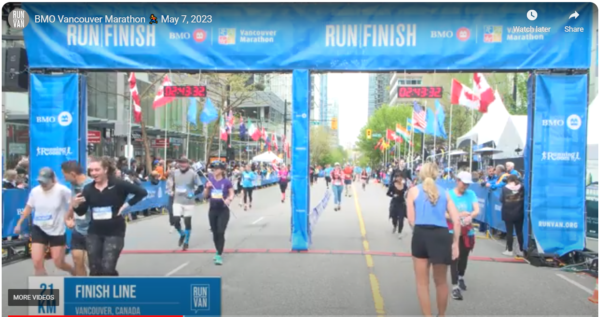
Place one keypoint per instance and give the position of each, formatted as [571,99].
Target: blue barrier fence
[489,203]
[14,200]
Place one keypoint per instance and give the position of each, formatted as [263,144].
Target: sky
[351,90]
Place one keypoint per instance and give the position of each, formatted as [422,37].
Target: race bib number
[181,190]
[44,221]
[102,213]
[217,194]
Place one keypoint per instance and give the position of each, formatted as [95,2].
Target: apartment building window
[102,95]
[410,82]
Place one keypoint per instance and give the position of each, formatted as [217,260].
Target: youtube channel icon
[199,35]
[463,34]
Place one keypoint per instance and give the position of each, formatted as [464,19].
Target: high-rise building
[315,97]
[324,92]
[378,91]
[333,112]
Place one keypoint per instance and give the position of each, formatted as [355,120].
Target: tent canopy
[267,157]
[489,127]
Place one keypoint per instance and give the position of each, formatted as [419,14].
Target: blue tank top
[428,215]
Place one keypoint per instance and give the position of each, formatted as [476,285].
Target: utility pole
[228,150]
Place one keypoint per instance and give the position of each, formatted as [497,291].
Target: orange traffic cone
[594,298]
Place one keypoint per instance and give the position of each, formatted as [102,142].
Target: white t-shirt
[49,208]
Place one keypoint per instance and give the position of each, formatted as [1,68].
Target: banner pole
[187,145]
[205,143]
[166,131]
[450,135]
[129,153]
[471,147]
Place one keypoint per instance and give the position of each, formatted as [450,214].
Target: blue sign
[157,197]
[157,296]
[323,36]
[53,123]
[558,163]
[13,204]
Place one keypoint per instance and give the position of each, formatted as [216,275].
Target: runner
[236,180]
[364,177]
[50,200]
[283,180]
[337,178]
[311,173]
[220,191]
[74,174]
[328,170]
[348,179]
[397,190]
[248,177]
[105,198]
[432,246]
[467,205]
[183,183]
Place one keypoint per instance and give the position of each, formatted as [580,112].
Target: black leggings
[170,209]
[459,266]
[283,186]
[398,213]
[218,219]
[511,227]
[248,194]
[103,254]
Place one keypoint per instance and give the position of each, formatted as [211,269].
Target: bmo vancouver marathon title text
[48,18]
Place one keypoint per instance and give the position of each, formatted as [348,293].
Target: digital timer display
[420,92]
[184,91]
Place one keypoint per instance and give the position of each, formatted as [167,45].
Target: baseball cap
[46,175]
[183,159]
[465,177]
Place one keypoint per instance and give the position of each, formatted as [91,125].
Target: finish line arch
[288,37]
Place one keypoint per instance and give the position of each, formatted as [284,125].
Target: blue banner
[300,159]
[558,163]
[157,296]
[83,126]
[157,197]
[323,36]
[53,123]
[13,203]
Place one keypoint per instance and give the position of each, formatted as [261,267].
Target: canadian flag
[135,98]
[462,95]
[484,91]
[253,131]
[160,99]
[274,141]
[263,133]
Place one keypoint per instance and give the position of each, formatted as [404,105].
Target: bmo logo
[463,34]
[442,34]
[179,36]
[199,35]
[552,123]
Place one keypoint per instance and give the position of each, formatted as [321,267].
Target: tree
[320,144]
[334,155]
[384,118]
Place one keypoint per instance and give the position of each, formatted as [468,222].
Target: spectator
[10,180]
[513,214]
[510,169]
[160,169]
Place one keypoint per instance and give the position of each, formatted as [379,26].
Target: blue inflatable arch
[298,38]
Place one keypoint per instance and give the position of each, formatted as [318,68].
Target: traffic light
[369,134]
[334,124]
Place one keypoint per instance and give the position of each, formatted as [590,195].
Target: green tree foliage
[334,155]
[320,144]
[384,118]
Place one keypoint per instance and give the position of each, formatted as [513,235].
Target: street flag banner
[391,135]
[419,118]
[209,113]
[253,131]
[93,296]
[192,111]
[402,132]
[160,99]
[463,96]
[223,129]
[558,163]
[135,98]
[242,129]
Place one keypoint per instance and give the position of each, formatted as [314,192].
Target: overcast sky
[351,92]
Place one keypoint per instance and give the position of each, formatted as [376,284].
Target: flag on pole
[160,99]
[223,129]
[135,98]
[209,113]
[402,132]
[391,135]
[378,145]
[435,126]
[274,141]
[419,118]
[242,128]
[230,122]
[253,131]
[263,134]
[192,111]
[462,95]
[483,90]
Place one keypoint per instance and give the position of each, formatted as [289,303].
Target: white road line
[177,269]
[258,220]
[585,289]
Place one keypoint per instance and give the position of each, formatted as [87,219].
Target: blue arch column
[300,159]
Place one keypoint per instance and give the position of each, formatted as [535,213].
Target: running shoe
[218,260]
[181,240]
[185,246]
[508,253]
[461,284]
[172,229]
[394,229]
[456,294]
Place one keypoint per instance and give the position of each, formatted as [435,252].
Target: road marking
[257,220]
[175,270]
[583,288]
[377,297]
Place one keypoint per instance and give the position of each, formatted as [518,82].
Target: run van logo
[492,34]
[200,297]
[53,151]
[226,36]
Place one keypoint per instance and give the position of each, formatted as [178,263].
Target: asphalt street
[356,266]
